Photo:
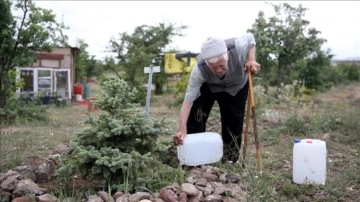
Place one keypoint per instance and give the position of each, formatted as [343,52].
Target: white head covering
[213,47]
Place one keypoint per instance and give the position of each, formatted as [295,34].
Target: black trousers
[232,110]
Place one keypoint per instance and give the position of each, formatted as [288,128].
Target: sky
[96,22]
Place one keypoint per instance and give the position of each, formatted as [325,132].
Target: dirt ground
[345,94]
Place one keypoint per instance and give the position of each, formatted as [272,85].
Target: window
[44,81]
[47,81]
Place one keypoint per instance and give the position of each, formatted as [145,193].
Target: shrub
[117,145]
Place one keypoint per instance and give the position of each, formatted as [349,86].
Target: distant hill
[334,62]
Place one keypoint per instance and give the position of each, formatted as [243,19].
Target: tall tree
[285,39]
[93,67]
[264,48]
[34,29]
[311,73]
[137,50]
[109,64]
[86,66]
[81,60]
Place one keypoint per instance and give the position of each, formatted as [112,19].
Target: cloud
[97,21]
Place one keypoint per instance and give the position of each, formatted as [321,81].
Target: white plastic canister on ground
[309,161]
[200,148]
[78,98]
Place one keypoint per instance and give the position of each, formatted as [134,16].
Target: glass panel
[44,81]
[28,78]
[62,83]
[44,73]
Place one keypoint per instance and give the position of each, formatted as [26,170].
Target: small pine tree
[118,144]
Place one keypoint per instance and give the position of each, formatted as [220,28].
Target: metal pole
[149,91]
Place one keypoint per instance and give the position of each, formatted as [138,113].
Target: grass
[333,117]
[38,138]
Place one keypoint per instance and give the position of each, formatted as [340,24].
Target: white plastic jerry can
[200,148]
[309,161]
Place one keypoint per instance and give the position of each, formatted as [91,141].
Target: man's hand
[253,66]
[179,138]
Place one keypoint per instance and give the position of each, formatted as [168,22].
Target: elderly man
[219,75]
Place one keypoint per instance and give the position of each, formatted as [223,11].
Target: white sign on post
[155,69]
[152,69]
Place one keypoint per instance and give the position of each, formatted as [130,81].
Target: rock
[26,172]
[183,197]
[158,200]
[3,176]
[208,190]
[197,198]
[10,180]
[232,178]
[5,196]
[229,199]
[213,198]
[175,187]
[26,198]
[61,149]
[43,168]
[189,189]
[201,182]
[190,179]
[236,191]
[118,194]
[168,195]
[94,198]
[210,177]
[222,177]
[138,196]
[56,158]
[123,198]
[46,198]
[205,183]
[27,186]
[105,196]
[219,188]
[195,172]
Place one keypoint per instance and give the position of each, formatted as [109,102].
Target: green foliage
[35,29]
[137,50]
[348,71]
[313,69]
[297,126]
[117,145]
[296,93]
[343,73]
[19,110]
[180,89]
[332,76]
[352,72]
[302,95]
[109,65]
[282,41]
[86,66]
[80,60]
[181,85]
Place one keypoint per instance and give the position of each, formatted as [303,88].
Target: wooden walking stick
[251,105]
[246,132]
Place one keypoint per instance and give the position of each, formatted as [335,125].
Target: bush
[20,109]
[117,145]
